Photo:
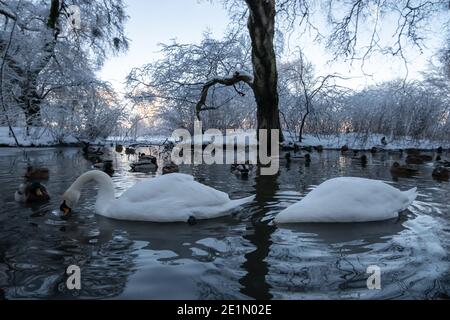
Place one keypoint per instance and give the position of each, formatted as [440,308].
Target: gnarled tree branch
[229,81]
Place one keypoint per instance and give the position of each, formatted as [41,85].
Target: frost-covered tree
[172,85]
[42,53]
[301,91]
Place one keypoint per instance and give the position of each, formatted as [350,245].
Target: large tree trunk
[30,101]
[261,25]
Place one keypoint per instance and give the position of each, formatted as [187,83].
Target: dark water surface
[243,256]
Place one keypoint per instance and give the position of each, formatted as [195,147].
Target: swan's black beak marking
[65,209]
[192,221]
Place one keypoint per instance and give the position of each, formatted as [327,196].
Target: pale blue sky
[158,21]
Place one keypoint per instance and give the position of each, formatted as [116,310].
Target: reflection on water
[244,256]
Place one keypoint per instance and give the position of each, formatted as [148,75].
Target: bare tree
[305,88]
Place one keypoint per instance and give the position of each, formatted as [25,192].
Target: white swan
[349,200]
[168,198]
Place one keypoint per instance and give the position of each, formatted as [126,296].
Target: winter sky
[155,21]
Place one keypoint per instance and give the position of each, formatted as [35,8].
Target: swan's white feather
[348,200]
[169,198]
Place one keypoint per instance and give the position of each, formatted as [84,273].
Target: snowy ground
[41,137]
[363,142]
[38,137]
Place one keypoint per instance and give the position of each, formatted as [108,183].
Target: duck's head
[38,189]
[69,200]
[32,193]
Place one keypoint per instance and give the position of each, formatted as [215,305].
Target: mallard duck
[90,150]
[130,151]
[170,168]
[172,197]
[441,173]
[37,173]
[144,157]
[345,148]
[349,199]
[242,170]
[148,164]
[374,150]
[119,148]
[33,192]
[418,159]
[106,166]
[442,162]
[399,170]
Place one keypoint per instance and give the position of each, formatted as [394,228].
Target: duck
[170,168]
[106,166]
[130,151]
[442,162]
[31,192]
[402,170]
[147,164]
[119,148]
[418,159]
[345,148]
[242,170]
[143,157]
[174,197]
[375,150]
[37,173]
[441,173]
[91,150]
[348,199]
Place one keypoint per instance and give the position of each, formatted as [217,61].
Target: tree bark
[261,25]
[30,99]
[302,125]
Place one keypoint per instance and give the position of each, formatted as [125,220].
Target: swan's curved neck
[106,187]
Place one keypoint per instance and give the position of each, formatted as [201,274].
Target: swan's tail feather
[240,202]
[411,195]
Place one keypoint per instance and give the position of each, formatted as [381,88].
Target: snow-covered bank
[42,137]
[352,140]
[366,142]
[38,137]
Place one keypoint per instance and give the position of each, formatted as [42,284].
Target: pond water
[244,256]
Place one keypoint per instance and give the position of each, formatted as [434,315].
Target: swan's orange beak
[65,209]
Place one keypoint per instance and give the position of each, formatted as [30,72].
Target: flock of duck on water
[177,197]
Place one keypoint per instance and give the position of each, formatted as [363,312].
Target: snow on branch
[237,77]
